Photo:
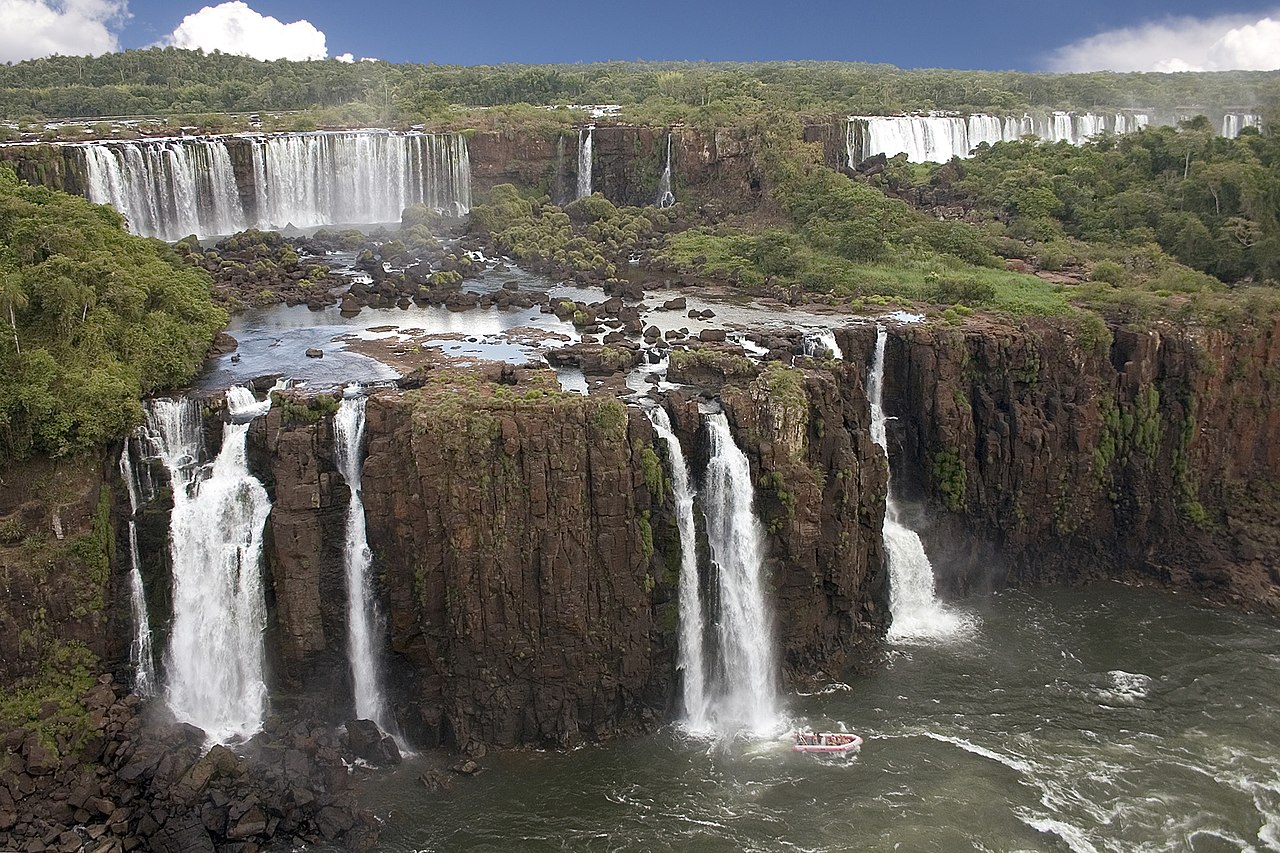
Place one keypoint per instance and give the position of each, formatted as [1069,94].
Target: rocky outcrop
[138,780]
[1056,453]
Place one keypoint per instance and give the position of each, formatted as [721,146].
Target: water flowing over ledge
[936,138]
[169,188]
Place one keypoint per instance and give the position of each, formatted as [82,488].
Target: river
[1103,719]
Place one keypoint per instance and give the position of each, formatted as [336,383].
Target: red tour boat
[830,743]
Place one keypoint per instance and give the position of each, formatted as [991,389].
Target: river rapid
[1103,719]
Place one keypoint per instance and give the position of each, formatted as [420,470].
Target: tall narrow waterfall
[585,136]
[370,703]
[166,188]
[692,657]
[666,197]
[917,613]
[747,692]
[215,674]
[141,653]
[359,177]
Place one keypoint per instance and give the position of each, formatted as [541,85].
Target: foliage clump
[93,318]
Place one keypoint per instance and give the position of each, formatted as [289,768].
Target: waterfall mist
[917,613]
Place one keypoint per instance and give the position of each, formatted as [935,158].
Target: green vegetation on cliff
[1210,203]
[92,319]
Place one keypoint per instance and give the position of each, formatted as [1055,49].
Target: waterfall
[822,341]
[170,188]
[215,677]
[585,136]
[358,178]
[938,137]
[747,694]
[692,658]
[141,654]
[666,197]
[166,188]
[917,613]
[370,703]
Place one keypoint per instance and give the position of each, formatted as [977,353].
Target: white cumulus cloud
[34,28]
[345,57]
[1222,43]
[233,27]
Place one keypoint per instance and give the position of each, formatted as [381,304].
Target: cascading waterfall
[937,137]
[141,653]
[691,654]
[585,137]
[822,341]
[166,188]
[370,702]
[215,670]
[747,692]
[666,197]
[917,613]
[169,188]
[358,178]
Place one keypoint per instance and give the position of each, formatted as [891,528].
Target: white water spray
[370,702]
[747,694]
[917,613]
[821,343]
[141,653]
[692,656]
[666,197]
[585,136]
[215,662]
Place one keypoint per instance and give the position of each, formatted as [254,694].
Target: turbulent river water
[1105,719]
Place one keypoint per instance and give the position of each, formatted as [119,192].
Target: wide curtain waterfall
[585,142]
[170,188]
[913,602]
[215,662]
[691,654]
[359,178]
[746,693]
[936,138]
[366,681]
[166,188]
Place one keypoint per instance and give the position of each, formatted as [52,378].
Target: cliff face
[714,167]
[526,554]
[820,493]
[1054,457]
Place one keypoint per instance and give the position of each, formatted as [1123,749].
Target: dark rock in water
[223,344]
[362,736]
[315,353]
[677,304]
[435,780]
[712,335]
[466,768]
[512,284]
[386,754]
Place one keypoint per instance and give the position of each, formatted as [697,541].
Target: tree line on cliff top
[91,319]
[169,80]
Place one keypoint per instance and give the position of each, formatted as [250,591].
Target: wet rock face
[1152,457]
[820,493]
[709,166]
[141,781]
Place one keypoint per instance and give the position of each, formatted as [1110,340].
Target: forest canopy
[163,81]
[91,319]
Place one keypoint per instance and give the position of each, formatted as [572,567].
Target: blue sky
[991,34]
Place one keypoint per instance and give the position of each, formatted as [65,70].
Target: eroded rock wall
[1051,453]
